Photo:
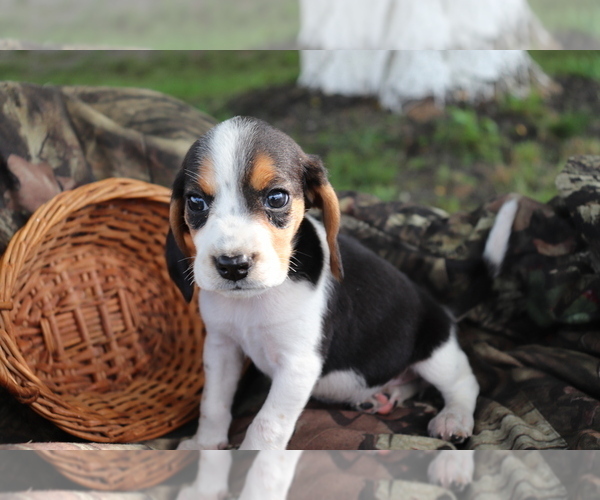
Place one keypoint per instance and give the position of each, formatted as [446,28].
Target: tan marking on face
[282,238]
[263,172]
[206,177]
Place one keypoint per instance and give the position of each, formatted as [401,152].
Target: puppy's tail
[497,242]
[488,267]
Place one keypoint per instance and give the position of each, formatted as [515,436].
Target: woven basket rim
[18,375]
[67,202]
[47,216]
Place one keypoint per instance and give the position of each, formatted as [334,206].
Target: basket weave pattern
[93,333]
[119,470]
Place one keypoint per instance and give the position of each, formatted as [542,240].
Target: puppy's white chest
[272,328]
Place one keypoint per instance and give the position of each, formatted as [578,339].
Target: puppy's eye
[196,203]
[277,199]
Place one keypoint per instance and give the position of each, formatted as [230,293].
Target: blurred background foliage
[153,24]
[455,159]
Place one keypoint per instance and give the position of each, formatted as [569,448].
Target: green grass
[364,172]
[531,107]
[471,137]
[206,79]
[570,124]
[530,173]
[569,62]
[574,15]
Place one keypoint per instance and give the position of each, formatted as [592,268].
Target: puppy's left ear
[319,193]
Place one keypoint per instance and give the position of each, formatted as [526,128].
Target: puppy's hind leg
[449,371]
[393,394]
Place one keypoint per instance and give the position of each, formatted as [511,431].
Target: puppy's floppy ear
[319,193]
[177,251]
[178,266]
[176,213]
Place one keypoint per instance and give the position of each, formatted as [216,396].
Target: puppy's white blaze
[497,242]
[228,148]
[228,157]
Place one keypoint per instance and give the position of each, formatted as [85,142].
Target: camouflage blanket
[531,334]
[57,138]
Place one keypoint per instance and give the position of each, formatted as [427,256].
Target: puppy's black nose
[233,268]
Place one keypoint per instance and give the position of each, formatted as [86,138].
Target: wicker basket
[93,333]
[119,470]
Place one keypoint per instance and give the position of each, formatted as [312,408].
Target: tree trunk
[427,27]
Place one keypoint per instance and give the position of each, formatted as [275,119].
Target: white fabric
[369,48]
[420,25]
[397,77]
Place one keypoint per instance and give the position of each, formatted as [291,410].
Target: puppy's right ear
[177,252]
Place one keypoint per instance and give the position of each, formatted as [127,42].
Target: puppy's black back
[379,322]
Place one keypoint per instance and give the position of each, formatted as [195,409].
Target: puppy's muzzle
[233,268]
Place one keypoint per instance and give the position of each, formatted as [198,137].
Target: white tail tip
[497,242]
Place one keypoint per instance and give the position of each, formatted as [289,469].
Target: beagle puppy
[317,312]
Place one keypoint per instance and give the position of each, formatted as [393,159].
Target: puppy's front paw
[451,425]
[194,444]
[452,469]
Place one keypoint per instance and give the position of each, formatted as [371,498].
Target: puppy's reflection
[272,472]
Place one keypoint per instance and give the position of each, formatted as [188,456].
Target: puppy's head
[237,204]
